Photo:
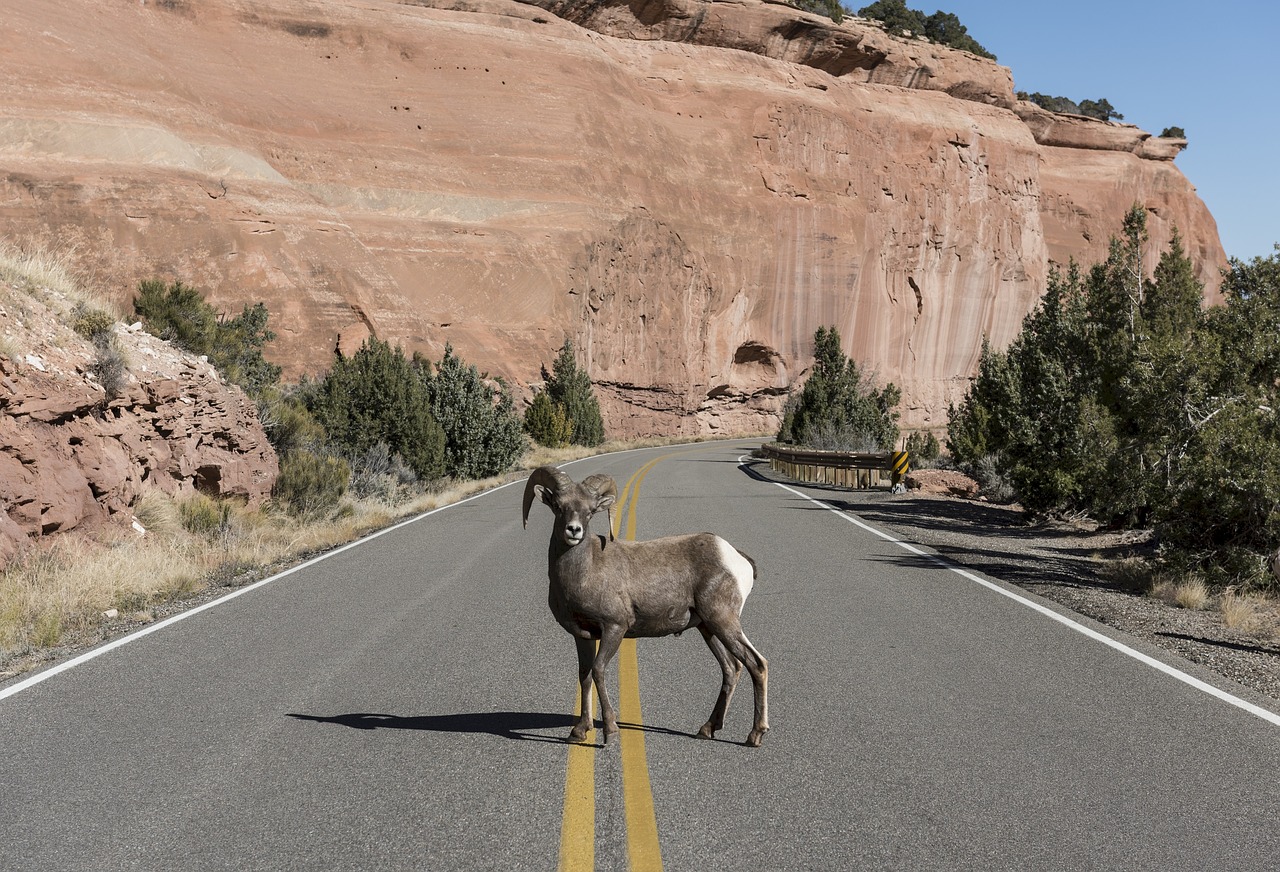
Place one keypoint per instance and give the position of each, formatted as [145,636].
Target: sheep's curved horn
[603,487]
[548,477]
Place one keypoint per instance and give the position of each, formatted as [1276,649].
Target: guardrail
[849,469]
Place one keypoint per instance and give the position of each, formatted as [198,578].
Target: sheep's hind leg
[586,657]
[740,647]
[731,669]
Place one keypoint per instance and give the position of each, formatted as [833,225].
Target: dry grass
[37,272]
[60,595]
[1187,593]
[1253,614]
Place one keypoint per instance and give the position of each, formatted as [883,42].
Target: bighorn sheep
[610,590]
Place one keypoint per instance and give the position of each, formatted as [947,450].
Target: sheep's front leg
[610,641]
[586,657]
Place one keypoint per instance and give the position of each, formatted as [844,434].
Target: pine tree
[838,408]
[547,423]
[570,387]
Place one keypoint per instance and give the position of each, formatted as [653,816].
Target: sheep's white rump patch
[739,567]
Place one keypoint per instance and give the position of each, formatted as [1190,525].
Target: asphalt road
[403,703]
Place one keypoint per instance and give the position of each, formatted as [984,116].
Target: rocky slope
[79,442]
[686,188]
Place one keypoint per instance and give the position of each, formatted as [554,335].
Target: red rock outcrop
[686,188]
[73,457]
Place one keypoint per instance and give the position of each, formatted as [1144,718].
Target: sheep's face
[573,504]
[573,512]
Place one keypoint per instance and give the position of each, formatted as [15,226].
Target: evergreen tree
[943,28]
[177,313]
[547,423]
[180,314]
[481,429]
[376,396]
[895,16]
[1124,399]
[1222,514]
[570,387]
[832,9]
[838,408]
[238,351]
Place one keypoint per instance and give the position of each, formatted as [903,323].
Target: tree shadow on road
[507,725]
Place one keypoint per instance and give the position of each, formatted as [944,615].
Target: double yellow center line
[577,829]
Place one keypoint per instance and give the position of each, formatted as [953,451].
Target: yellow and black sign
[901,465]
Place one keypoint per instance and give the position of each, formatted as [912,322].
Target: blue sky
[1212,69]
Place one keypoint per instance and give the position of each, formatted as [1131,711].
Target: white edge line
[94,653]
[182,616]
[1174,672]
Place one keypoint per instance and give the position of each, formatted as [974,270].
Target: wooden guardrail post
[840,468]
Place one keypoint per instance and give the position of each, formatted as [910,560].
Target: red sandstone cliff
[687,188]
[75,454]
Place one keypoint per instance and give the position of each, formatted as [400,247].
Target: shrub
[547,423]
[481,430]
[108,366]
[204,516]
[380,473]
[310,483]
[91,323]
[177,313]
[180,314]
[288,421]
[377,396]
[992,484]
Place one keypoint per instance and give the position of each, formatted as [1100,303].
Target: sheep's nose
[573,531]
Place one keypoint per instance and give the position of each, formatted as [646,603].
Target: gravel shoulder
[1066,566]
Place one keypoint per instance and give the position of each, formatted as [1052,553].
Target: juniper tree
[376,395]
[838,406]
[570,387]
[481,429]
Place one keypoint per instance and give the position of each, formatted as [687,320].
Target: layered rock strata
[687,189]
[79,446]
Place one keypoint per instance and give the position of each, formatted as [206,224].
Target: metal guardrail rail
[854,470]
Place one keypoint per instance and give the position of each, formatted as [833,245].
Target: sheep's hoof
[707,731]
[754,737]
[578,734]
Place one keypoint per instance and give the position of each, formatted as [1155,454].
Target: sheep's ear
[545,495]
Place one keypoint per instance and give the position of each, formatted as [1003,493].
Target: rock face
[74,457]
[687,189]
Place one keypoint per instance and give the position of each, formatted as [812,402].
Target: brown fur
[609,590]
